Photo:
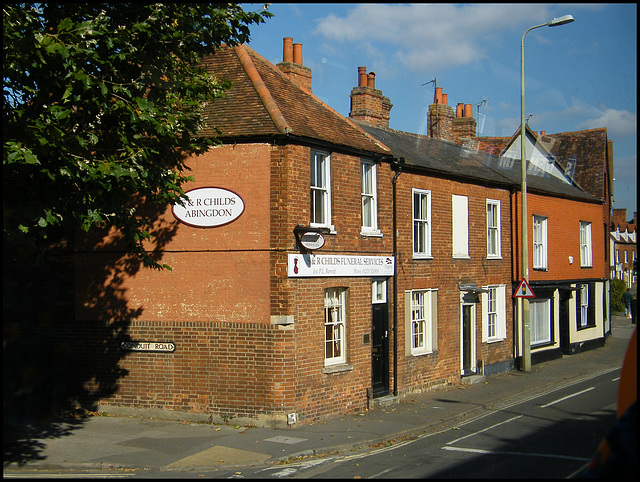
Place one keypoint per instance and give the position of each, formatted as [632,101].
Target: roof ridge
[583,131]
[263,92]
[320,101]
[351,122]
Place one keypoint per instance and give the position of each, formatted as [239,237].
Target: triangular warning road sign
[524,290]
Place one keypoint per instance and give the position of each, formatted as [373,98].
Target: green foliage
[104,102]
[618,287]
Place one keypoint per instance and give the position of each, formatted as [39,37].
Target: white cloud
[428,36]
[619,123]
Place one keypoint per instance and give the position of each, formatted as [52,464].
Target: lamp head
[561,21]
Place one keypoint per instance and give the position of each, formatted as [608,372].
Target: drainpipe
[514,278]
[396,165]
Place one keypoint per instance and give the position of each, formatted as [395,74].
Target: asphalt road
[550,435]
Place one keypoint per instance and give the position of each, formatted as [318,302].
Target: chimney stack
[291,64]
[440,117]
[464,125]
[367,103]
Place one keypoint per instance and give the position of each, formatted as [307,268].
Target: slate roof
[448,159]
[264,102]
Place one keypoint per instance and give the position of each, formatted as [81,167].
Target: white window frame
[540,229]
[494,249]
[460,226]
[583,305]
[335,339]
[540,321]
[378,290]
[494,313]
[421,318]
[369,194]
[320,190]
[421,223]
[586,260]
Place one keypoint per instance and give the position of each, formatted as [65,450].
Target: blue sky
[577,76]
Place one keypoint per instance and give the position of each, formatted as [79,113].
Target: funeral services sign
[312,265]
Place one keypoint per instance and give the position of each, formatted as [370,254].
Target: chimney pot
[371,80]
[445,98]
[468,110]
[287,50]
[297,54]
[543,133]
[437,98]
[459,110]
[362,76]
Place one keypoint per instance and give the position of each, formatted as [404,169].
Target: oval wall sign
[311,240]
[208,207]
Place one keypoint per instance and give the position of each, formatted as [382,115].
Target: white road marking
[484,429]
[526,454]
[567,397]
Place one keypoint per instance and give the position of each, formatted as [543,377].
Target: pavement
[125,442]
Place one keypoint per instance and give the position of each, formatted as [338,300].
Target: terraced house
[569,178]
[322,262]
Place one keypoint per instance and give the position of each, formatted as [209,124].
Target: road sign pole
[526,337]
[524,292]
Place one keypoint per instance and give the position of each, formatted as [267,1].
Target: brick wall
[228,284]
[445,273]
[214,304]
[317,394]
[563,237]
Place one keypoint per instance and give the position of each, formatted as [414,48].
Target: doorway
[468,338]
[566,296]
[379,339]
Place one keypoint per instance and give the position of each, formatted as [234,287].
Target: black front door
[467,352]
[380,350]
[565,346]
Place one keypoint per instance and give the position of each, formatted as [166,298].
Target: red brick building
[569,179]
[323,262]
[345,262]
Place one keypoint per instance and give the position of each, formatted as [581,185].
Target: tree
[104,102]
[618,287]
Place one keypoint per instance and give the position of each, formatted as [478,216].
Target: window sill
[586,327]
[371,234]
[343,367]
[542,344]
[421,353]
[494,257]
[331,228]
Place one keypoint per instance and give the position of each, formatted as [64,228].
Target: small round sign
[208,207]
[311,240]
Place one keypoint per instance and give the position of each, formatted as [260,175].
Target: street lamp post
[524,318]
